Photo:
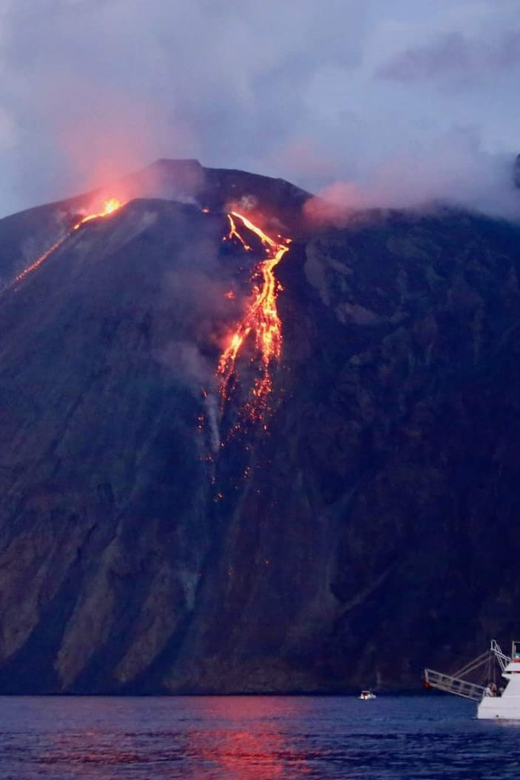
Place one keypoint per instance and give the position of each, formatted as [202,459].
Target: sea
[253,738]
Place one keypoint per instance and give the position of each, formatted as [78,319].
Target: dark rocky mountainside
[367,527]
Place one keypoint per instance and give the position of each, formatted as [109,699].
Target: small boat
[494,703]
[367,695]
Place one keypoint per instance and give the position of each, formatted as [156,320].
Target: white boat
[367,695]
[495,702]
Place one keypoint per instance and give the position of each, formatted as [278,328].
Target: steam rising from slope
[194,294]
[189,367]
[454,171]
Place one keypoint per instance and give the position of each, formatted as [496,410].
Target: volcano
[184,510]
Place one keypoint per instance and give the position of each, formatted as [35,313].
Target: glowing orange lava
[261,320]
[110,206]
[233,233]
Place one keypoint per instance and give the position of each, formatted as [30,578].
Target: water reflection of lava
[251,746]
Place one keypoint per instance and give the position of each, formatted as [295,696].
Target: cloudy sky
[378,100]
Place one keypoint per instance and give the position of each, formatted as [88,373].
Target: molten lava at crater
[110,206]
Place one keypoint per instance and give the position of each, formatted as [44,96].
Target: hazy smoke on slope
[194,293]
[193,370]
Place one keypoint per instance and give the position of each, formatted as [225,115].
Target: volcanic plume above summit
[402,102]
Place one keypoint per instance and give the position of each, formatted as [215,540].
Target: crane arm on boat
[450,684]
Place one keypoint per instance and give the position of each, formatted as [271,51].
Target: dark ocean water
[259,738]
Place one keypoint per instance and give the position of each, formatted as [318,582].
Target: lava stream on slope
[110,206]
[261,320]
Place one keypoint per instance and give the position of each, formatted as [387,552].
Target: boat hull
[503,708]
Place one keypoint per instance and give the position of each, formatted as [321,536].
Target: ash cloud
[457,61]
[350,91]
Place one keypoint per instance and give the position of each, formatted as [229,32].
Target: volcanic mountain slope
[364,526]
[27,235]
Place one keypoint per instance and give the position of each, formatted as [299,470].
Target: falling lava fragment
[261,320]
[109,208]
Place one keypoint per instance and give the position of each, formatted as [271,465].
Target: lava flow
[109,208]
[261,319]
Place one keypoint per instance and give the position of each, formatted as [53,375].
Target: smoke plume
[453,171]
[191,369]
[196,294]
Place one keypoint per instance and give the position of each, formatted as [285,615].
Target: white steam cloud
[454,171]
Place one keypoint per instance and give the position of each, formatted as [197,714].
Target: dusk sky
[392,102]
